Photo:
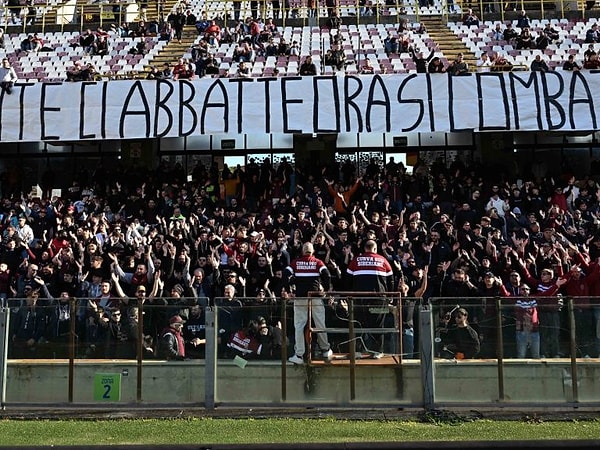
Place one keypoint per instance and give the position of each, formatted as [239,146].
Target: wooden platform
[343,359]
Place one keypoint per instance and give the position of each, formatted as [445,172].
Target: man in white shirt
[484,64]
[8,76]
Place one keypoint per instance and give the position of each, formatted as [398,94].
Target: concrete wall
[260,383]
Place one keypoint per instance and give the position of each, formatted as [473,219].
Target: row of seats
[298,8]
[359,42]
[54,64]
[479,40]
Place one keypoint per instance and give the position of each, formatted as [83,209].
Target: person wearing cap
[461,341]
[171,344]
[308,274]
[117,337]
[546,290]
[515,221]
[440,225]
[490,288]
[527,324]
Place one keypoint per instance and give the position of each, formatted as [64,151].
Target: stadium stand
[364,39]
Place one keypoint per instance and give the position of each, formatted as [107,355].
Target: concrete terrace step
[448,43]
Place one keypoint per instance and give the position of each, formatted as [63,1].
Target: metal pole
[44,16]
[352,343]
[573,343]
[500,349]
[72,349]
[426,349]
[140,354]
[284,349]
[4,325]
[210,368]
[308,329]
[400,330]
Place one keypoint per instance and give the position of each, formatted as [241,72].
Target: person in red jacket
[579,287]
[549,306]
[310,274]
[371,272]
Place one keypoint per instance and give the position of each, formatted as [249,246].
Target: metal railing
[78,15]
[561,333]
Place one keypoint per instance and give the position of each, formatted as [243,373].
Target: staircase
[93,13]
[174,50]
[449,44]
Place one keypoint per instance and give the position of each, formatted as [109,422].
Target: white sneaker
[296,359]
[328,355]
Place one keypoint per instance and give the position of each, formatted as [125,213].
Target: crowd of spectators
[118,239]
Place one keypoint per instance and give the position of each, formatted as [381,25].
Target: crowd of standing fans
[129,239]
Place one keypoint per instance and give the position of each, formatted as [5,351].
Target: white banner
[527,101]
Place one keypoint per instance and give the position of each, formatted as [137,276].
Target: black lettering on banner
[526,84]
[267,101]
[22,108]
[502,82]
[185,103]
[430,103]
[551,100]
[44,109]
[82,136]
[416,101]
[224,104]
[137,91]
[451,80]
[349,101]
[240,101]
[377,81]
[103,112]
[576,78]
[285,102]
[336,104]
[161,104]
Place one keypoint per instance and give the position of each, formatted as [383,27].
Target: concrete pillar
[426,350]
[210,369]
[4,319]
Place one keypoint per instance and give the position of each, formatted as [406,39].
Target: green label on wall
[107,387]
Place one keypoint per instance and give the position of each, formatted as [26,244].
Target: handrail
[302,12]
[500,304]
